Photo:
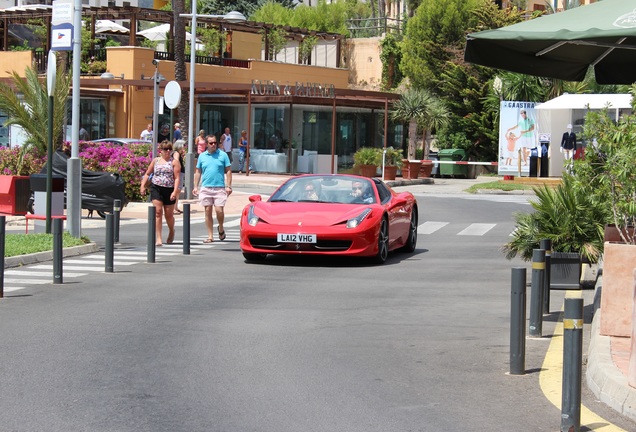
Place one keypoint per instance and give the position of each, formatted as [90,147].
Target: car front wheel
[383,243]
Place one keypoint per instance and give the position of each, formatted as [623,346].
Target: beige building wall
[133,110]
[14,61]
[362,58]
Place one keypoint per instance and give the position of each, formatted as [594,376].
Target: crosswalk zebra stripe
[31,273]
[71,267]
[476,229]
[13,288]
[115,262]
[430,227]
[31,281]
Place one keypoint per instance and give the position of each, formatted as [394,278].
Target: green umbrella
[565,44]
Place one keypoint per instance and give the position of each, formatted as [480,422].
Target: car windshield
[326,189]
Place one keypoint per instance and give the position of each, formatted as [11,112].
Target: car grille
[321,245]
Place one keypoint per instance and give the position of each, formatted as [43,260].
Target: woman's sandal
[178,212]
[170,237]
[208,240]
[222,235]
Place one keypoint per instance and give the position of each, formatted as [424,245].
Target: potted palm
[608,174]
[367,159]
[392,161]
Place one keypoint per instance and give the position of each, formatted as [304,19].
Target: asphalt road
[207,342]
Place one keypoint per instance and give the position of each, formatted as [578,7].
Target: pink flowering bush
[10,161]
[129,161]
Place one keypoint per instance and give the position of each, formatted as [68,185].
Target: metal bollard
[518,322]
[152,234]
[117,214]
[572,365]
[110,244]
[3,220]
[186,228]
[547,246]
[58,251]
[536,293]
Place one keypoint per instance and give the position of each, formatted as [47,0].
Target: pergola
[26,15]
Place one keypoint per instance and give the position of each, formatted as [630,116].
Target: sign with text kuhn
[275,88]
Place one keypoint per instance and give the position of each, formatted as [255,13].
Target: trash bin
[38,186]
[534,158]
[545,161]
[14,194]
[435,158]
[455,155]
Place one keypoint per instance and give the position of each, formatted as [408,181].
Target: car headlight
[354,222]
[252,218]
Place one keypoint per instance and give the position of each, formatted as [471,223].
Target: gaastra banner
[517,137]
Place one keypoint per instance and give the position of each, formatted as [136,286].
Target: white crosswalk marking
[476,229]
[32,273]
[30,281]
[87,268]
[430,227]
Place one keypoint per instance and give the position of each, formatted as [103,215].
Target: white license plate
[296,238]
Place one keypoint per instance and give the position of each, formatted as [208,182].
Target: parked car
[330,215]
[120,141]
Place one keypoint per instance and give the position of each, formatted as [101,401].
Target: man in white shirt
[226,143]
[146,134]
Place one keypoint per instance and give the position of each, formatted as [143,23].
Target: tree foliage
[246,7]
[26,104]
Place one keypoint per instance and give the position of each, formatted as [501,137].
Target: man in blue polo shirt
[213,184]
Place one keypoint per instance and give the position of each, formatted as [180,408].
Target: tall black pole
[49,168]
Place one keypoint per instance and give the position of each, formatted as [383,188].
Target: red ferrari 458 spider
[330,214]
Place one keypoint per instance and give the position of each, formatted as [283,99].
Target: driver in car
[360,193]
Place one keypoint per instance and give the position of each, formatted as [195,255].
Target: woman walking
[242,145]
[164,189]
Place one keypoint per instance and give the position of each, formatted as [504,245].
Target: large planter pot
[426,169]
[611,233]
[390,172]
[617,297]
[368,170]
[410,168]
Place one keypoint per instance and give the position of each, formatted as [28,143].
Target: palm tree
[419,107]
[179,62]
[26,105]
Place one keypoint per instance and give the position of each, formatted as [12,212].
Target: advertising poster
[517,137]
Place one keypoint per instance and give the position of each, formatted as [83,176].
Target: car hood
[316,214]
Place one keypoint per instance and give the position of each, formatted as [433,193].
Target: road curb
[603,377]
[34,258]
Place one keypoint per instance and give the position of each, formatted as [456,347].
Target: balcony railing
[40,59]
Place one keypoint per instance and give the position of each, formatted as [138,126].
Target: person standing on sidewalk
[164,189]
[213,185]
[242,145]
[226,143]
[177,154]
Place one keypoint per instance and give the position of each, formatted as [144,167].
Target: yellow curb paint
[551,376]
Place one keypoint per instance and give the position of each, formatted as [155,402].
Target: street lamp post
[233,17]
[156,77]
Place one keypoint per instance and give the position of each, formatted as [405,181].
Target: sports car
[333,214]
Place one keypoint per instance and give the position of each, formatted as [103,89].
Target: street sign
[62,26]
[172,94]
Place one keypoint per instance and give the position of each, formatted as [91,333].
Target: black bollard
[547,246]
[109,259]
[572,365]
[518,322]
[152,234]
[3,220]
[58,251]
[186,228]
[117,214]
[536,293]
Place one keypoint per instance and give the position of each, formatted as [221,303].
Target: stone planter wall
[617,298]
